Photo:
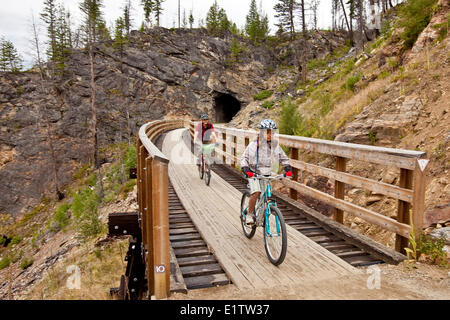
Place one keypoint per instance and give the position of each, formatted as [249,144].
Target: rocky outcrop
[160,73]
[384,126]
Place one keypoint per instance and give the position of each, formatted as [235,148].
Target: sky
[15,16]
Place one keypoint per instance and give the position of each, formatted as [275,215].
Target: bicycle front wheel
[275,236]
[207,174]
[201,170]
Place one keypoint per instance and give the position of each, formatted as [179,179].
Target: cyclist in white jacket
[258,158]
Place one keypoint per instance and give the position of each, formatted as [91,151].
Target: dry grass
[348,109]
[100,268]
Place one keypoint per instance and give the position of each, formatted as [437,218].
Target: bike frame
[264,200]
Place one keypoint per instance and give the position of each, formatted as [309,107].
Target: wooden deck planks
[215,212]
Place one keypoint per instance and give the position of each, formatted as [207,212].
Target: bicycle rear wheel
[275,236]
[249,231]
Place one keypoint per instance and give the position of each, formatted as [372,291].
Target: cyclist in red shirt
[204,134]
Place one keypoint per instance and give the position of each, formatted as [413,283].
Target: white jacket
[268,155]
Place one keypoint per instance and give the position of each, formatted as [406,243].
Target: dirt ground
[420,282]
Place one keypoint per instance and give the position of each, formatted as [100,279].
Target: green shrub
[283,87]
[130,158]
[351,81]
[85,210]
[325,103]
[127,187]
[433,248]
[16,240]
[268,104]
[5,262]
[290,118]
[26,262]
[443,29]
[314,64]
[414,17]
[372,137]
[383,74]
[348,66]
[61,218]
[263,95]
[82,172]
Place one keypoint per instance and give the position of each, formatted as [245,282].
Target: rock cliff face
[160,73]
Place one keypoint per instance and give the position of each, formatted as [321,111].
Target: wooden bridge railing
[153,189]
[410,193]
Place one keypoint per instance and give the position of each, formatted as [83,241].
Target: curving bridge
[187,235]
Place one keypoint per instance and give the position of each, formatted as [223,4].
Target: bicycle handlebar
[274,177]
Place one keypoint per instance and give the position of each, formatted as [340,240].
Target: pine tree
[191,19]
[224,23]
[212,18]
[184,21]
[349,23]
[286,15]
[257,23]
[92,19]
[94,25]
[36,43]
[120,36]
[253,22]
[10,60]
[314,8]
[148,9]
[217,21]
[49,17]
[157,9]
[63,39]
[127,20]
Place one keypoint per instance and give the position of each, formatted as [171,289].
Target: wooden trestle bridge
[187,235]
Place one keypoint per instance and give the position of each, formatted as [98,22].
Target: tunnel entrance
[226,107]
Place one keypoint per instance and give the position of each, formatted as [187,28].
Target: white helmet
[267,124]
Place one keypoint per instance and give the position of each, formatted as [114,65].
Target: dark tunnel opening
[226,107]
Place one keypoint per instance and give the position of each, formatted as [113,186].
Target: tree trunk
[291,17]
[93,108]
[304,44]
[361,23]
[40,116]
[349,26]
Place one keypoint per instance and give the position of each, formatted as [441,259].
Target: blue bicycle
[270,218]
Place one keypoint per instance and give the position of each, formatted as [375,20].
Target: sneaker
[249,219]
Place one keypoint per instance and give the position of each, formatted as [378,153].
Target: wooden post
[234,139]
[224,147]
[192,129]
[294,155]
[418,206]
[406,180]
[149,224]
[142,194]
[138,173]
[339,189]
[161,243]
